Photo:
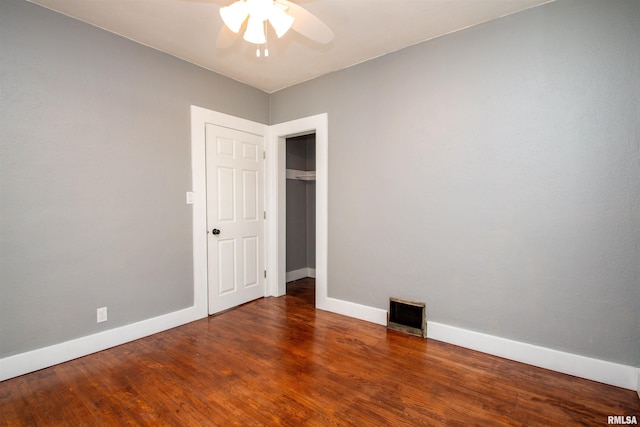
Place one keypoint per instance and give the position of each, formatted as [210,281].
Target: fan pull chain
[266,39]
[266,45]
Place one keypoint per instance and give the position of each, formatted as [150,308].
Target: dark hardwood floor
[278,361]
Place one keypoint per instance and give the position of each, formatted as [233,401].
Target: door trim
[276,202]
[200,116]
[275,199]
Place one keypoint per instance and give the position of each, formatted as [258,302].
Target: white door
[235,217]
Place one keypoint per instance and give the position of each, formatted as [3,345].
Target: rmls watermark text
[622,419]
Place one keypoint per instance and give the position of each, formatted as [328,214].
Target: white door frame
[276,202]
[200,116]
[275,199]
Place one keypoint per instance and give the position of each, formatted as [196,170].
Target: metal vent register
[407,316]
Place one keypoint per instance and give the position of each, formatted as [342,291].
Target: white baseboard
[300,274]
[580,366]
[567,363]
[30,361]
[357,311]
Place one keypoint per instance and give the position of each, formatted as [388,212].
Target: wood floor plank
[281,362]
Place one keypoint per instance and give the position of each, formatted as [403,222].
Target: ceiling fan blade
[307,24]
[226,38]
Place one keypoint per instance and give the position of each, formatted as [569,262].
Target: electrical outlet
[102,314]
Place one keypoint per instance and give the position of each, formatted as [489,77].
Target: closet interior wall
[301,209]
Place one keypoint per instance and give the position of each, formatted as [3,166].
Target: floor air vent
[407,316]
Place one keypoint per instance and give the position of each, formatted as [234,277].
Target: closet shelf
[301,175]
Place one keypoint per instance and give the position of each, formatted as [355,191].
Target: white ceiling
[364,29]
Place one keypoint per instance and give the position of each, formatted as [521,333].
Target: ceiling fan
[255,16]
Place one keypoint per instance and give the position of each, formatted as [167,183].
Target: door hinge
[264,154]
[265,274]
[265,214]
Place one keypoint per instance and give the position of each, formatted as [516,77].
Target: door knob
[215,231]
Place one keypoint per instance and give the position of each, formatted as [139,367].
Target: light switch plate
[190,197]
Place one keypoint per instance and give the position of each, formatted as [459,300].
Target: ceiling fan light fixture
[234,15]
[255,31]
[280,21]
[251,17]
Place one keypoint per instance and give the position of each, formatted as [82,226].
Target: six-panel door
[235,210]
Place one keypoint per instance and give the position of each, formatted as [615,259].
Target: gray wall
[495,174]
[301,205]
[95,163]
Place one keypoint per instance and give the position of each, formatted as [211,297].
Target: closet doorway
[301,213]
